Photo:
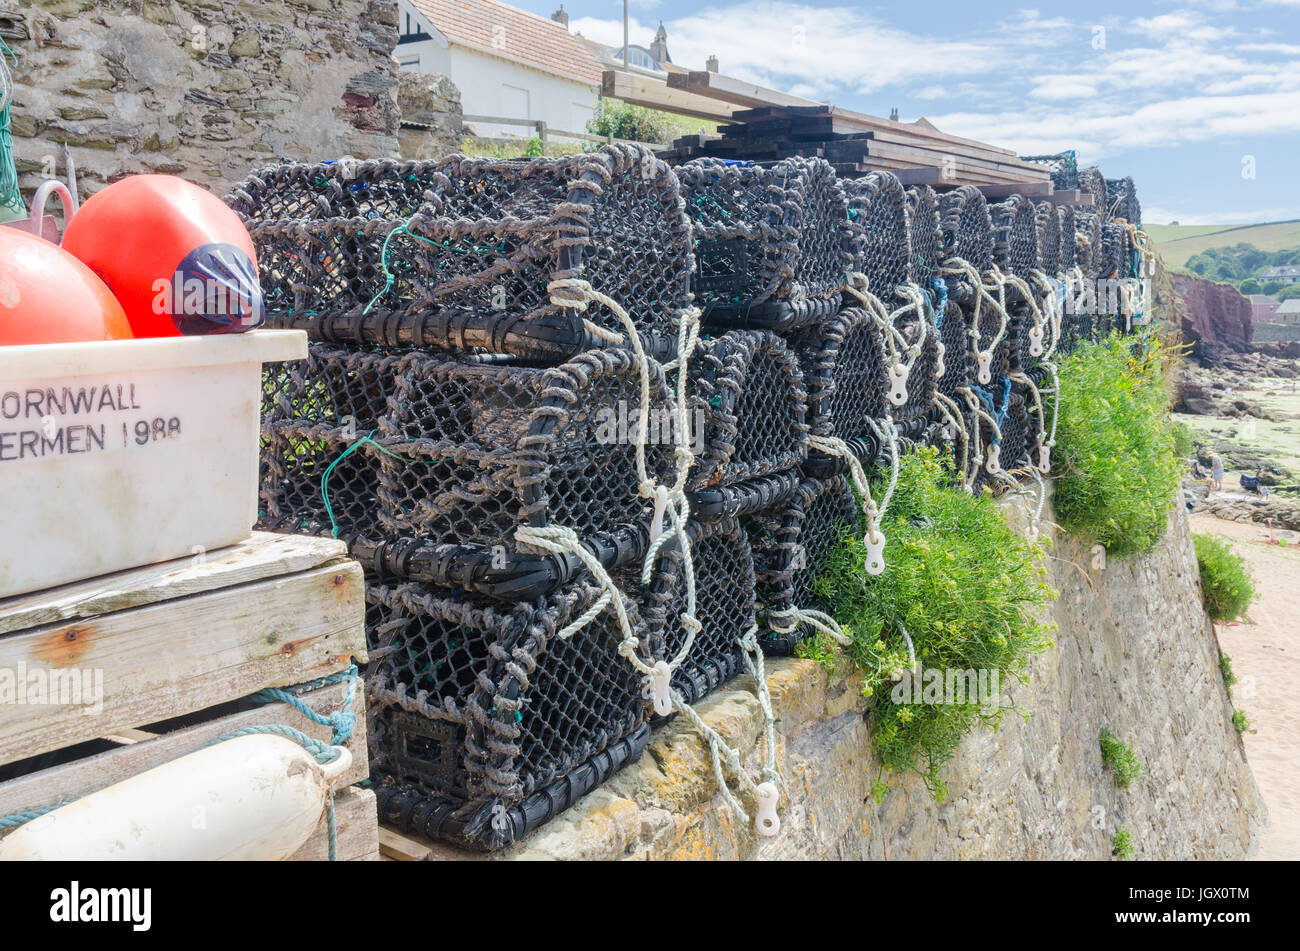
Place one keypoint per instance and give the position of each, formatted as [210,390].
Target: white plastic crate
[117,454]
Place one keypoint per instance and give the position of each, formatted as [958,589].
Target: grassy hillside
[1177,244]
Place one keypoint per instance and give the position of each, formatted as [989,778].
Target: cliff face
[1216,317]
[1134,653]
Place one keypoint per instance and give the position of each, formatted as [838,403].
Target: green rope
[325,477]
[19,818]
[11,199]
[405,228]
[341,723]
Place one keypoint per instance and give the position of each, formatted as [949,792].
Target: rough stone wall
[429,104]
[1135,653]
[205,89]
[1217,316]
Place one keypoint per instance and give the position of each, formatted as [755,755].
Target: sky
[1198,100]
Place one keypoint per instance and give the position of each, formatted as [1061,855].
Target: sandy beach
[1265,656]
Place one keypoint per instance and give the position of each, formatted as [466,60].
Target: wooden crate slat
[175,657]
[357,837]
[262,555]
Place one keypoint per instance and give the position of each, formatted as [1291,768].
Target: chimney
[711,64]
[893,114]
[560,17]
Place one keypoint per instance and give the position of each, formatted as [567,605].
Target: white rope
[952,414]
[993,281]
[900,366]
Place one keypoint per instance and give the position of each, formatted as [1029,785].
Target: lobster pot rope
[1049,237]
[747,396]
[967,229]
[1004,438]
[1123,201]
[476,710]
[791,543]
[1015,236]
[462,253]
[1089,257]
[417,447]
[770,242]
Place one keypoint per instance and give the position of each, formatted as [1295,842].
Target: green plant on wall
[1115,445]
[1240,722]
[1227,588]
[1225,668]
[1123,847]
[964,586]
[1120,758]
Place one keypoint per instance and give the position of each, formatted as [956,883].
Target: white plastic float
[122,453]
[252,797]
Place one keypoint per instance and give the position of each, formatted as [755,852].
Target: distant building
[1262,307]
[640,59]
[1288,313]
[506,62]
[1285,272]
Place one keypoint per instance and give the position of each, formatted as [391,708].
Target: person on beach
[1216,472]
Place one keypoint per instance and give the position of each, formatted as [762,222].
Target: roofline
[497,54]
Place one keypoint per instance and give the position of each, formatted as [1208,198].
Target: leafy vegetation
[624,121]
[1240,722]
[1184,441]
[1227,587]
[1225,668]
[1241,265]
[964,586]
[1124,847]
[1116,445]
[518,148]
[1120,758]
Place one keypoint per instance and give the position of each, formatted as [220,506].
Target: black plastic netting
[1115,251]
[1049,237]
[1069,251]
[482,706]
[1015,235]
[724,606]
[923,229]
[1064,168]
[966,227]
[742,498]
[1018,333]
[460,453]
[843,362]
[791,543]
[472,246]
[1092,183]
[1087,237]
[1008,408]
[1123,201]
[771,244]
[958,364]
[989,325]
[747,396]
[879,238]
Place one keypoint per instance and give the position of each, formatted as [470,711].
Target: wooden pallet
[169,655]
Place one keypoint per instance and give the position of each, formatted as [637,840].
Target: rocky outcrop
[429,104]
[1216,317]
[205,89]
[1134,653]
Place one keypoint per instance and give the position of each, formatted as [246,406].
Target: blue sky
[1183,96]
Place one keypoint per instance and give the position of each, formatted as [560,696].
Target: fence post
[541,133]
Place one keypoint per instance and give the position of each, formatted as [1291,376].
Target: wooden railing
[545,132]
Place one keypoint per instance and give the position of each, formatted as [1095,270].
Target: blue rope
[19,818]
[325,477]
[941,287]
[999,415]
[341,723]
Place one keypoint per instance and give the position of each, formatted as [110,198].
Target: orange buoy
[177,258]
[48,296]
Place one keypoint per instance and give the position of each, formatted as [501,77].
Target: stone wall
[429,104]
[205,89]
[1135,653]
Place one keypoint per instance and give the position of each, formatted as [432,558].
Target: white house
[506,62]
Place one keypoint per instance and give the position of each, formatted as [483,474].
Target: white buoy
[252,797]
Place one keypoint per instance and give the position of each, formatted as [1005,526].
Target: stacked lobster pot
[471,420]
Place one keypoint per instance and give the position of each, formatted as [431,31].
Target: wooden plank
[727,89]
[167,659]
[985,153]
[130,737]
[356,822]
[656,94]
[69,781]
[919,176]
[918,128]
[400,848]
[1028,189]
[933,156]
[262,555]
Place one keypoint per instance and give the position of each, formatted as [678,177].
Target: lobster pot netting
[1064,168]
[474,244]
[1069,251]
[1122,195]
[478,708]
[843,362]
[1115,251]
[958,365]
[966,227]
[1049,237]
[1008,408]
[747,397]
[770,243]
[743,498]
[923,229]
[1092,183]
[791,544]
[879,238]
[1015,236]
[1087,241]
[724,606]
[460,453]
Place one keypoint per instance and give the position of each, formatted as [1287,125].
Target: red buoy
[48,296]
[177,258]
